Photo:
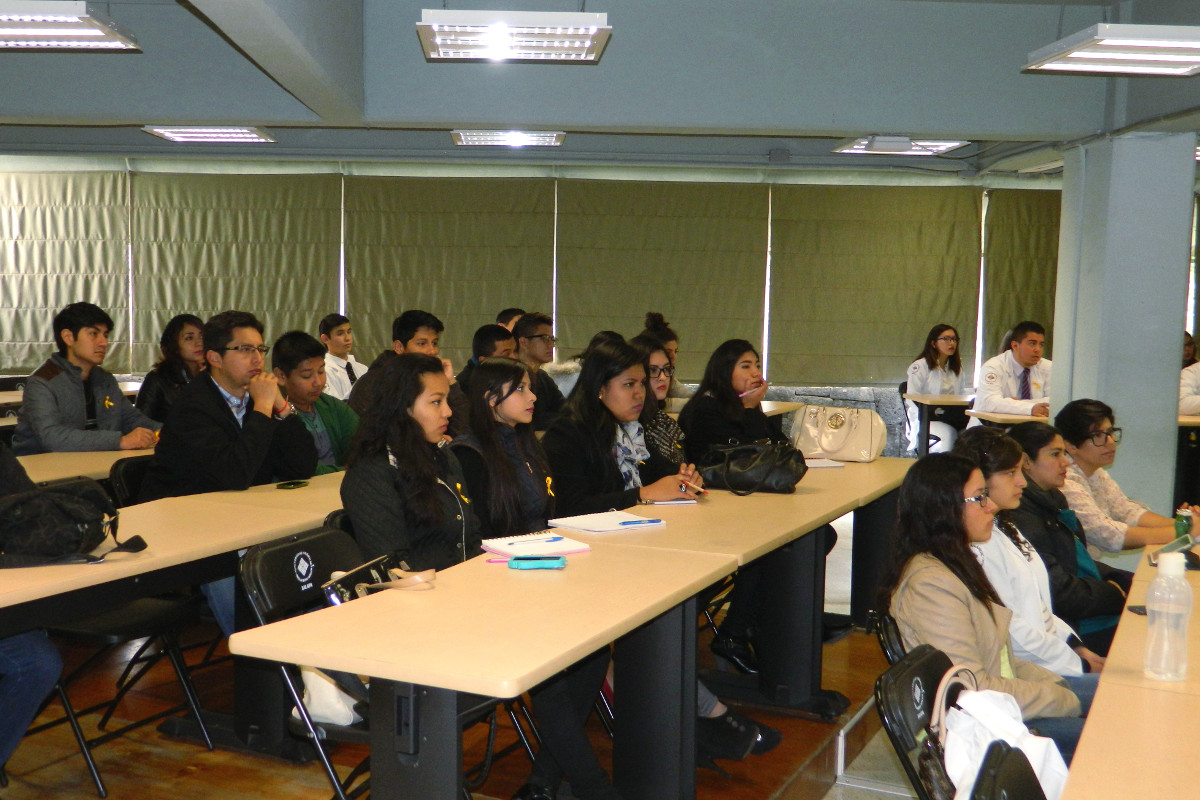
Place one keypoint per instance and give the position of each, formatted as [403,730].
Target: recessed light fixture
[508,138]
[59,25]
[1123,49]
[898,146]
[513,36]
[186,134]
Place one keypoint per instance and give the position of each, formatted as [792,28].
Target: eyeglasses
[953,339]
[656,371]
[1099,437]
[980,498]
[546,337]
[250,349]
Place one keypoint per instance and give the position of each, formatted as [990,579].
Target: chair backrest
[1006,775]
[125,478]
[904,697]
[340,519]
[890,641]
[284,577]
[13,383]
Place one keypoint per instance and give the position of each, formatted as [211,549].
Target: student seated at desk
[1018,380]
[939,594]
[182,348]
[1013,566]
[663,434]
[1110,520]
[534,333]
[70,403]
[29,663]
[229,429]
[509,483]
[938,370]
[658,328]
[1089,595]
[298,362]
[404,489]
[489,341]
[342,369]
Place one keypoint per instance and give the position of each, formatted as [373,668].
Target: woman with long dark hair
[939,594]
[937,370]
[663,434]
[182,348]
[657,328]
[404,490]
[727,406]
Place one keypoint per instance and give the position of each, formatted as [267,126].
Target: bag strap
[955,680]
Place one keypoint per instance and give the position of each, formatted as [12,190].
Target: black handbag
[58,524]
[755,467]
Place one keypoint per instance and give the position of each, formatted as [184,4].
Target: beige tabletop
[14,397]
[940,399]
[749,527]
[488,629]
[773,408]
[1189,420]
[177,530]
[92,464]
[317,499]
[1003,419]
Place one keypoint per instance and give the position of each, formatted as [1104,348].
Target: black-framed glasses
[980,498]
[1098,438]
[656,371]
[953,339]
[549,338]
[250,349]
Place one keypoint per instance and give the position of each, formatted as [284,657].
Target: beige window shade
[695,252]
[1022,262]
[268,244]
[861,273]
[461,249]
[63,238]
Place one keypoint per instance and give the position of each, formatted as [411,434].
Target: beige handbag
[842,434]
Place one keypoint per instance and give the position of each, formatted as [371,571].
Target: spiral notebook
[540,543]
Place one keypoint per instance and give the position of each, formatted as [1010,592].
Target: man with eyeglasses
[1018,380]
[534,333]
[71,403]
[230,429]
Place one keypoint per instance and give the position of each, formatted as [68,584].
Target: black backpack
[58,523]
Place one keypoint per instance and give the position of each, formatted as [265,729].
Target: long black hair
[585,408]
[388,426]
[931,352]
[993,451]
[930,520]
[168,343]
[492,382]
[718,381]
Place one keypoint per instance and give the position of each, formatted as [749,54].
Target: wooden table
[13,398]
[926,405]
[998,418]
[89,463]
[771,408]
[486,629]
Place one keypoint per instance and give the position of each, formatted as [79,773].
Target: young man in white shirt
[1018,380]
[342,369]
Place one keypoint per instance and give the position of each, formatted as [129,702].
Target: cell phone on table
[537,562]
[1139,610]
[291,485]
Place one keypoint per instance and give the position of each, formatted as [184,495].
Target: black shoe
[531,792]
[735,650]
[768,739]
[730,735]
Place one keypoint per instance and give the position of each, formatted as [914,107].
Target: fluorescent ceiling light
[508,138]
[59,25]
[209,133]
[898,146]
[513,35]
[1123,49]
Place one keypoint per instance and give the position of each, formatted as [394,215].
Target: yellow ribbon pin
[550,486]
[108,403]
[458,488]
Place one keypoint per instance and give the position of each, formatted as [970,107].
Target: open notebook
[540,543]
[607,522]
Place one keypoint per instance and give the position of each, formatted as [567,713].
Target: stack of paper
[541,543]
[607,522]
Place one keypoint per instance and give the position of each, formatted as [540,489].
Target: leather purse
[839,433]
[755,467]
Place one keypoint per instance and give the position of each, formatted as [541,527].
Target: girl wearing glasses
[1110,520]
[938,370]
[939,594]
[663,434]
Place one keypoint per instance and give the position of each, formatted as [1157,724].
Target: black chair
[125,479]
[1006,775]
[13,383]
[888,633]
[340,520]
[904,697]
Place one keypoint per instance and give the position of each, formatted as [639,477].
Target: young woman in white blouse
[1013,565]
[938,370]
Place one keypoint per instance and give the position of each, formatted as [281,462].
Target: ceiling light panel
[209,134]
[481,138]
[59,25]
[530,36]
[1123,49]
[899,146]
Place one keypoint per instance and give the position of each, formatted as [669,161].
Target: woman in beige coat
[939,595]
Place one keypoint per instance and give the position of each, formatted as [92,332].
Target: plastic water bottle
[1168,606]
[1183,522]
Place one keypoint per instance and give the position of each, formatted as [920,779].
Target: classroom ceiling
[775,85]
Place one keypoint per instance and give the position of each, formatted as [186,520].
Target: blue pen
[642,522]
[531,541]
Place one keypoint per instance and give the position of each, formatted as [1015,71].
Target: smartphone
[291,485]
[537,562]
[1139,610]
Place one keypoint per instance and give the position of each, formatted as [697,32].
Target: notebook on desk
[607,522]
[539,543]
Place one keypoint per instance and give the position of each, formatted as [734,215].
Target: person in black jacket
[404,490]
[534,333]
[231,428]
[1087,594]
[182,348]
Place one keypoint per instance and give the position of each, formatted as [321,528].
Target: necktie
[1025,393]
[350,374]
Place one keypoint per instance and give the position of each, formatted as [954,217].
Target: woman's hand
[668,488]
[689,474]
[1095,662]
[755,395]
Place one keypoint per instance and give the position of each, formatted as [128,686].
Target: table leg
[924,413]
[654,746]
[416,742]
[873,525]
